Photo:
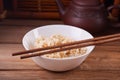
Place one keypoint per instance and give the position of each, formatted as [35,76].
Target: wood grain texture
[102,58]
[71,75]
[12,31]
[102,64]
[38,9]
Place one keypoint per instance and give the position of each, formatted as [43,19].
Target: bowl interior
[48,30]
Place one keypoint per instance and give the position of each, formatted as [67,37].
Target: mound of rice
[58,39]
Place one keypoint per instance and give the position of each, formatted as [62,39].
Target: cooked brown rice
[42,42]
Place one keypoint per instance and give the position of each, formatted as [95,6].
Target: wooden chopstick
[72,47]
[67,46]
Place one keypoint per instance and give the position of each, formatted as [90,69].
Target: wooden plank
[27,2]
[102,64]
[11,29]
[28,9]
[72,75]
[102,58]
[33,15]
[9,32]
[36,6]
[13,34]
[28,6]
[10,62]
[43,9]
[53,2]
[8,23]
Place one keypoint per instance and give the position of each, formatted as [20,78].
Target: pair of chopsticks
[68,46]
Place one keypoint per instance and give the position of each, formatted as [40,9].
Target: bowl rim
[53,25]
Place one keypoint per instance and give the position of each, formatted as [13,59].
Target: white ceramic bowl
[58,64]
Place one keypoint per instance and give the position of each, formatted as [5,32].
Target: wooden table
[102,64]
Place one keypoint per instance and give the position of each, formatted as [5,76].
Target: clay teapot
[90,15]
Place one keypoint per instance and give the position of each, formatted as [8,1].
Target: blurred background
[39,9]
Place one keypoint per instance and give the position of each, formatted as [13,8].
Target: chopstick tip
[13,54]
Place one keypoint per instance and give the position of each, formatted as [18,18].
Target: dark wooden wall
[40,9]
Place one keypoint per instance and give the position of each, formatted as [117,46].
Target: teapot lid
[87,2]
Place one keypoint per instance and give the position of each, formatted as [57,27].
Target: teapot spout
[60,7]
